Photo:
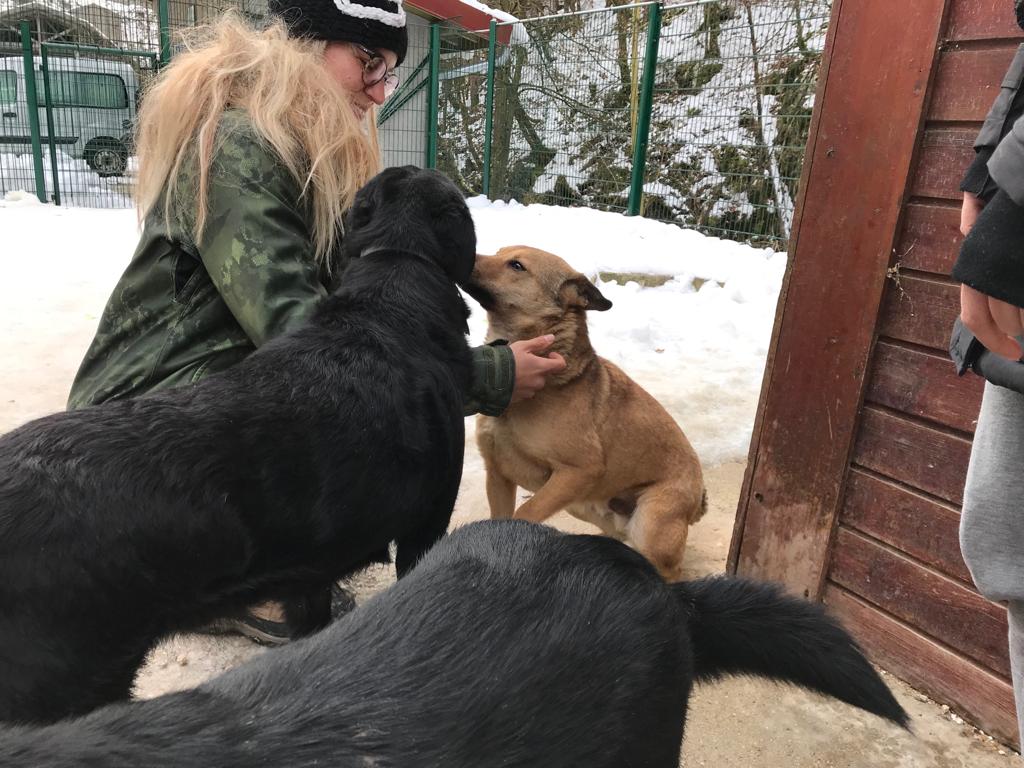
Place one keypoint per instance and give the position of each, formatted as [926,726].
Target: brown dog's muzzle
[476,288]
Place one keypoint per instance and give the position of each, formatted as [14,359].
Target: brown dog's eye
[517,265]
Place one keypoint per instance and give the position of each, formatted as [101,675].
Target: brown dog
[592,442]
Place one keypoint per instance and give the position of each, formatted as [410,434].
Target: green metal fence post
[433,94]
[643,125]
[489,107]
[32,105]
[164,20]
[48,96]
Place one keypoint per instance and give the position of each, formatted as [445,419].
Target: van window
[8,86]
[83,89]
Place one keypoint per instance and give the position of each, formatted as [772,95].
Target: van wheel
[108,157]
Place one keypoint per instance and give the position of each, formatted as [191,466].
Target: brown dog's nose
[476,266]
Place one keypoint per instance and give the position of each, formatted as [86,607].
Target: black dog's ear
[580,292]
[357,220]
[453,227]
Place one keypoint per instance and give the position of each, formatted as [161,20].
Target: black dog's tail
[741,627]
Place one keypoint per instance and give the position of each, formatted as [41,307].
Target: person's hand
[969,212]
[533,366]
[995,323]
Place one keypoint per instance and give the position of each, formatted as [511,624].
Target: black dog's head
[413,209]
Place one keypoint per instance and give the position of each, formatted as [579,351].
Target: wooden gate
[860,447]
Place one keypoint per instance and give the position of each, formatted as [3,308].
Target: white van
[93,107]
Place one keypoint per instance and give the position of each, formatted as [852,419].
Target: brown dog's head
[526,290]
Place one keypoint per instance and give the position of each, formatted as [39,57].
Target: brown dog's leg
[658,530]
[501,495]
[562,488]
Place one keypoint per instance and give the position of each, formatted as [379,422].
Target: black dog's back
[508,645]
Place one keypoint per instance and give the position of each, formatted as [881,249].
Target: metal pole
[489,107]
[164,20]
[49,124]
[32,104]
[433,94]
[99,50]
[636,186]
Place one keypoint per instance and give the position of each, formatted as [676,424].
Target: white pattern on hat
[369,12]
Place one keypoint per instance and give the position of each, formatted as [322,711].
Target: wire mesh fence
[694,114]
[90,63]
[734,90]
[566,109]
[730,90]
[84,108]
[407,121]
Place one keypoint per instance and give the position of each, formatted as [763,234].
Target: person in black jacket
[990,268]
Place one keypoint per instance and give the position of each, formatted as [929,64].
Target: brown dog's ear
[580,292]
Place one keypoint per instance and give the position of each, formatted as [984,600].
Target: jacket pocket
[188,277]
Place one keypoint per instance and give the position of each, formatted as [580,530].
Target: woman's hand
[995,323]
[533,366]
[969,212]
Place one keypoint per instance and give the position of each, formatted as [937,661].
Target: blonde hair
[294,105]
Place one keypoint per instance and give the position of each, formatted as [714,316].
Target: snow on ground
[701,352]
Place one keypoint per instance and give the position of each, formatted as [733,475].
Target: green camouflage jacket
[183,309]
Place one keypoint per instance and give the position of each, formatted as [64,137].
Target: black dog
[509,645]
[124,522]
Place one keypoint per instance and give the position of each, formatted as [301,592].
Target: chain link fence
[695,114]
[734,91]
[72,73]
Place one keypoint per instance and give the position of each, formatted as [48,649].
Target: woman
[252,145]
[991,269]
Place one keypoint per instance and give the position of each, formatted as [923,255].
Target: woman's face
[346,63]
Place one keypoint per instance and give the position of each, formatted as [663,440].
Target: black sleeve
[977,178]
[991,260]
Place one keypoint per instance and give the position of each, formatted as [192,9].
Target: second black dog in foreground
[510,644]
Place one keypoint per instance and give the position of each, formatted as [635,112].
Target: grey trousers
[992,523]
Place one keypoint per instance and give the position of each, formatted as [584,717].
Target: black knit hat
[373,23]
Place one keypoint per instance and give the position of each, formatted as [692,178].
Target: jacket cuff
[977,180]
[493,379]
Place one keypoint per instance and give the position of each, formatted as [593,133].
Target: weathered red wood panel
[931,237]
[968,688]
[915,454]
[945,155]
[967,82]
[901,517]
[981,20]
[866,133]
[944,609]
[925,385]
[890,199]
[920,310]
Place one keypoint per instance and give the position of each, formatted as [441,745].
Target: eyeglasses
[375,69]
